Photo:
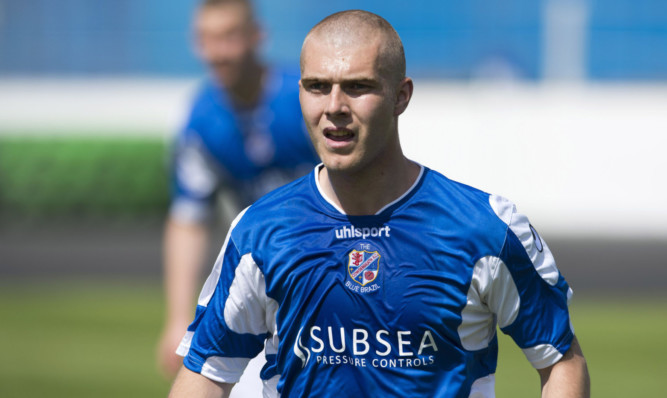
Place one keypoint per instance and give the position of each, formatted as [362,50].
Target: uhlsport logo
[363,268]
[363,233]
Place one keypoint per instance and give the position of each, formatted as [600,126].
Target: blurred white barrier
[576,159]
[93,107]
[579,160]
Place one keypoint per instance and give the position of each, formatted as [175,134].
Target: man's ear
[403,95]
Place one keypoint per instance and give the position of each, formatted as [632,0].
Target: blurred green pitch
[83,339]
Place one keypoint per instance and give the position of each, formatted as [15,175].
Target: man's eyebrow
[363,80]
[311,79]
[352,79]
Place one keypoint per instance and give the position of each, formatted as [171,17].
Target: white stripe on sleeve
[212,280]
[492,297]
[224,370]
[246,305]
[535,247]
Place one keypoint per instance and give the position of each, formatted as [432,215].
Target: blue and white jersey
[251,151]
[401,303]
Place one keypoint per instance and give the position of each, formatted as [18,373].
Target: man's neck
[247,92]
[368,191]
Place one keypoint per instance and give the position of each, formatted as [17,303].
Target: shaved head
[221,3]
[355,27]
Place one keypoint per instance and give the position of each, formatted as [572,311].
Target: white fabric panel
[503,296]
[542,355]
[537,249]
[270,389]
[224,370]
[195,170]
[477,322]
[492,297]
[271,311]
[184,346]
[212,280]
[503,208]
[484,387]
[189,211]
[271,344]
[246,305]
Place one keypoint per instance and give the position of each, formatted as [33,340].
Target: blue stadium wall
[624,39]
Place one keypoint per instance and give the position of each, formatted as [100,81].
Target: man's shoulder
[208,96]
[209,113]
[474,208]
[281,204]
[455,192]
[274,218]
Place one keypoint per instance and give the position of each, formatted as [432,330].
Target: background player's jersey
[249,151]
[402,303]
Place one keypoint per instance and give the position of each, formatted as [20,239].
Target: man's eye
[318,87]
[358,87]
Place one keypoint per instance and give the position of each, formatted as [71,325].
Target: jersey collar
[392,205]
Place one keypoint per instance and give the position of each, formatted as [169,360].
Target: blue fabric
[252,150]
[378,314]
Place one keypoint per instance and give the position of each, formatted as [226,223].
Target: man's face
[347,104]
[226,40]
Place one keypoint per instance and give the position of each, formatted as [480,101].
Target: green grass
[70,176]
[84,339]
[624,344]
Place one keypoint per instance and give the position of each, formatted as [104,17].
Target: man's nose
[337,102]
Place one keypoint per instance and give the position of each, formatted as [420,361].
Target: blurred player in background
[375,276]
[245,136]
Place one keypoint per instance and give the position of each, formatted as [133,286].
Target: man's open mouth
[338,134]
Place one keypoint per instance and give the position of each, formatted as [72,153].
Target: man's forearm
[569,377]
[190,384]
[184,252]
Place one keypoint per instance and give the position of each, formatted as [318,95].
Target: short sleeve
[195,179]
[527,292]
[230,325]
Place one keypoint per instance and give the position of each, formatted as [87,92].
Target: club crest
[363,266]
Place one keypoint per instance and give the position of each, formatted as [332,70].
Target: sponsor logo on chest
[362,347]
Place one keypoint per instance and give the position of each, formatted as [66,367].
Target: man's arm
[567,378]
[184,253]
[190,384]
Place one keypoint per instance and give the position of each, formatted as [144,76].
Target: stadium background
[559,105]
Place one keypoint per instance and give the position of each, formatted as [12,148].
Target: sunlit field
[622,339]
[83,339]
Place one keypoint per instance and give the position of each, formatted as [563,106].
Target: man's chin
[341,164]
[226,78]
